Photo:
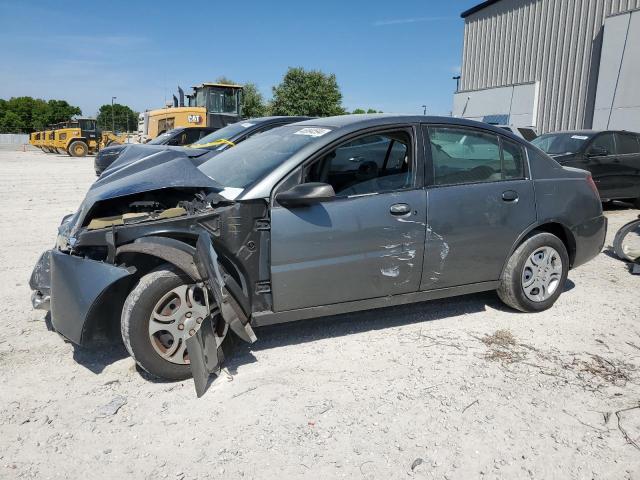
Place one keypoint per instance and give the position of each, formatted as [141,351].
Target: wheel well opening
[564,234]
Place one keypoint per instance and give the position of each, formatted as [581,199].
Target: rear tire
[78,149]
[535,274]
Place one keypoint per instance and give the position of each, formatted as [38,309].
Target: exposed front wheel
[535,274]
[159,315]
[78,149]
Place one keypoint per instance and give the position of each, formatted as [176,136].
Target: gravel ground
[459,388]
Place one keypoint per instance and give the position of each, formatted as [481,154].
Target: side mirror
[306,194]
[597,152]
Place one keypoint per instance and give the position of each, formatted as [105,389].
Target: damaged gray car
[316,218]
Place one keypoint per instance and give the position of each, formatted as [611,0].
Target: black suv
[612,157]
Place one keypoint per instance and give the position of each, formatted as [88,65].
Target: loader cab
[222,102]
[88,128]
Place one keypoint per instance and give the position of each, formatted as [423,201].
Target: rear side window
[462,155]
[603,144]
[513,160]
[627,144]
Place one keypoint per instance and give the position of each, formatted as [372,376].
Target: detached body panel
[79,292]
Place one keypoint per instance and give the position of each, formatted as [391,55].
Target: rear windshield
[245,164]
[162,138]
[561,143]
[218,138]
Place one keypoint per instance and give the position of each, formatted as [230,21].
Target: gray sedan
[312,219]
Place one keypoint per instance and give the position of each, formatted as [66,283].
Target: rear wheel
[78,149]
[159,315]
[535,274]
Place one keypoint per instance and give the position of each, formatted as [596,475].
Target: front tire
[78,149]
[160,313]
[535,274]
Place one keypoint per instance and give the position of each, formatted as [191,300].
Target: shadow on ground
[103,351]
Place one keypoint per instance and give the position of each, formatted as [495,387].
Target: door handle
[399,209]
[510,196]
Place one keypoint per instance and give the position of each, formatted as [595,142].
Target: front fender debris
[205,355]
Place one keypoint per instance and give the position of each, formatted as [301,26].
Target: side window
[627,144]
[190,136]
[603,145]
[512,160]
[463,155]
[369,164]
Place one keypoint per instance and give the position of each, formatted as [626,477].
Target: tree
[225,80]
[124,118]
[358,111]
[312,93]
[253,104]
[27,114]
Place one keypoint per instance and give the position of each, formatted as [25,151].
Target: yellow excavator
[209,105]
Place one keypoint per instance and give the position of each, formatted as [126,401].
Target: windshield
[216,139]
[254,158]
[561,143]
[162,138]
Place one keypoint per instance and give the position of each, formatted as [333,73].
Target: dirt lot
[460,388]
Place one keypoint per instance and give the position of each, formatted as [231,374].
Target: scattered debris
[626,436]
[502,347]
[501,338]
[243,392]
[416,462]
[470,405]
[604,369]
[111,408]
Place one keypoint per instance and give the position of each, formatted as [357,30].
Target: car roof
[276,118]
[591,132]
[359,121]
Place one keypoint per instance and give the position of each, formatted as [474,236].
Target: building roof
[478,7]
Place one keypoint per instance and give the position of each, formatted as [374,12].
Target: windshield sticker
[312,132]
[579,137]
[247,124]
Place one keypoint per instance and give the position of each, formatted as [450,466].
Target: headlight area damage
[220,244]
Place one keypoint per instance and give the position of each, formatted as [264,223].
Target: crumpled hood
[168,169]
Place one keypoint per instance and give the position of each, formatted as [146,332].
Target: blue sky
[392,56]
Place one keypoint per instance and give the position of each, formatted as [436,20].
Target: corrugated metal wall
[556,42]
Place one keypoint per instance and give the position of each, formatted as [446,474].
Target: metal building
[552,64]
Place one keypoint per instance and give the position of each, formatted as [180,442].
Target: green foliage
[124,118]
[225,80]
[27,114]
[362,110]
[310,92]
[253,104]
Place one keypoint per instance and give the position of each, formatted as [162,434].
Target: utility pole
[424,109]
[113,118]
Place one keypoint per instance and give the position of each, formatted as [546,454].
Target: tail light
[592,184]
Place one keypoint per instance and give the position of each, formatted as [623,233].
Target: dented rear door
[347,249]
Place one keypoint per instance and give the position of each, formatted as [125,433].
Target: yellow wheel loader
[210,105]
